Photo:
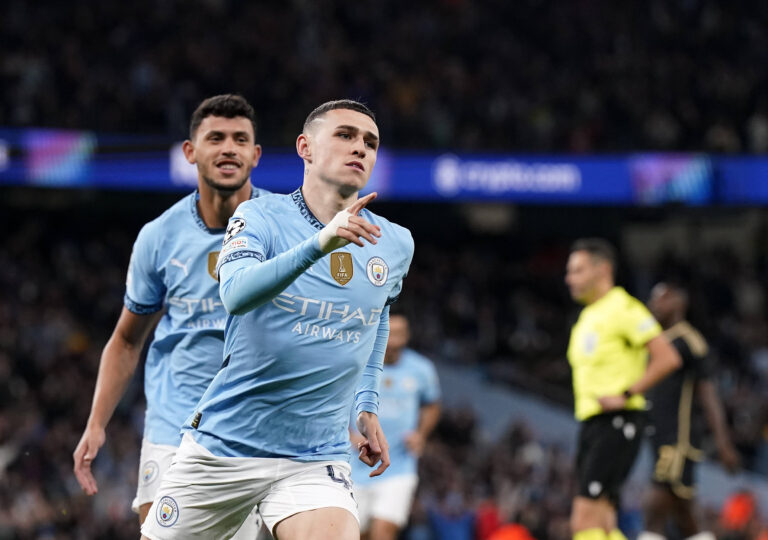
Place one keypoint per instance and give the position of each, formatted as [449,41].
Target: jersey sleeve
[408,249]
[247,236]
[430,388]
[249,271]
[367,393]
[638,325]
[144,287]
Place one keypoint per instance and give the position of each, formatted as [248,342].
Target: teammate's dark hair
[597,248]
[226,106]
[338,104]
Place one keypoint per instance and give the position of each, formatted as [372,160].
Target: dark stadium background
[548,80]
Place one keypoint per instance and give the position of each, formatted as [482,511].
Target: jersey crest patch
[377,271]
[167,511]
[149,472]
[234,228]
[342,268]
[213,258]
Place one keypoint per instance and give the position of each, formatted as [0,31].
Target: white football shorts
[154,461]
[388,499]
[204,496]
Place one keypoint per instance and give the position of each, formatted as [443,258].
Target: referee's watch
[627,393]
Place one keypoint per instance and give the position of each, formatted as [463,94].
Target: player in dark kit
[674,414]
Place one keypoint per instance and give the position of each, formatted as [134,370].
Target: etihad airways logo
[324,310]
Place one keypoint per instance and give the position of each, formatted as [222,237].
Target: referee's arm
[663,359]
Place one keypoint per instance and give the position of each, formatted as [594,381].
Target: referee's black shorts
[608,446]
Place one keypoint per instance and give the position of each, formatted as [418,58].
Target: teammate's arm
[245,285]
[713,409]
[663,359]
[429,414]
[118,364]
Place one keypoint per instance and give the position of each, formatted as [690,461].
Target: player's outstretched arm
[245,286]
[118,364]
[663,359]
[713,409]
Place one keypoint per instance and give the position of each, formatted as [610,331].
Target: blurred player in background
[673,414]
[306,337]
[617,352]
[171,283]
[409,411]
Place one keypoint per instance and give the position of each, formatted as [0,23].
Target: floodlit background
[509,129]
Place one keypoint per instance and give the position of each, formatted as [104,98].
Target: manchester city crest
[377,271]
[167,511]
[149,472]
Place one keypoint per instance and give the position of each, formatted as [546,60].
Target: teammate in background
[409,411]
[171,280]
[673,414]
[617,352]
[306,336]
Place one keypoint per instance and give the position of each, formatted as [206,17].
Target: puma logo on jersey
[182,265]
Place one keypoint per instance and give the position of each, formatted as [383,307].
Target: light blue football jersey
[172,267]
[294,363]
[405,387]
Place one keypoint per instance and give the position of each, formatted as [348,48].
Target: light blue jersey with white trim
[406,386]
[294,364]
[172,267]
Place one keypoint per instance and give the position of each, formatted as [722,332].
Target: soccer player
[171,283]
[408,412]
[673,414]
[616,352]
[307,279]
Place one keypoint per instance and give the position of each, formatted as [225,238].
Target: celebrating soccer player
[616,352]
[171,279]
[307,279]
[676,438]
[409,411]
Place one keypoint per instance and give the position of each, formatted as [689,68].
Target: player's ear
[303,147]
[189,151]
[256,154]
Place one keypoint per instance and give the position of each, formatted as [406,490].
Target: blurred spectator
[588,76]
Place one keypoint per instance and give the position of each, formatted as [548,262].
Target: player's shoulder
[176,216]
[400,234]
[416,360]
[692,338]
[266,202]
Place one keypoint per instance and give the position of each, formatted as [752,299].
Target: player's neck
[601,289]
[324,200]
[216,207]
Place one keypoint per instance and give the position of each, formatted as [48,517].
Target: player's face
[399,334]
[581,275]
[224,151]
[663,302]
[343,145]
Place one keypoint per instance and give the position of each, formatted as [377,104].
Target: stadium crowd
[506,311]
[444,73]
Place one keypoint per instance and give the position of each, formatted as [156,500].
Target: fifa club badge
[167,511]
[213,258]
[341,267]
[377,271]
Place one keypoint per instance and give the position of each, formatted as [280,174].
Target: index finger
[384,465]
[359,204]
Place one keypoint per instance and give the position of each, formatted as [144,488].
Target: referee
[617,351]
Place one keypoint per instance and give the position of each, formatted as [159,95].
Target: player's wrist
[628,393]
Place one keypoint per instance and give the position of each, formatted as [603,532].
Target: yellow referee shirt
[607,350]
